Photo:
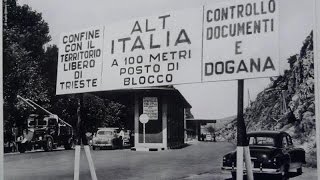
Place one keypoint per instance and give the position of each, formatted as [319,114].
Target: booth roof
[169,89]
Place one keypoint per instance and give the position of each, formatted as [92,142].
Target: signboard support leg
[239,163]
[144,133]
[77,162]
[90,161]
[242,143]
[247,159]
[80,136]
[78,146]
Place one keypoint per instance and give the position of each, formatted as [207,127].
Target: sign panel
[80,61]
[150,107]
[223,41]
[143,118]
[153,51]
[241,40]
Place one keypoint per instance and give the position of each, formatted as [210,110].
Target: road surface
[201,160]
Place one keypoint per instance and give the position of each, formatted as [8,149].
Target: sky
[212,100]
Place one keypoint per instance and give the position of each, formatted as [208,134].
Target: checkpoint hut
[166,127]
[165,107]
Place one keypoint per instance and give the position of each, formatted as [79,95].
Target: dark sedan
[272,152]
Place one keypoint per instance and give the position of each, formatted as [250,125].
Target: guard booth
[166,126]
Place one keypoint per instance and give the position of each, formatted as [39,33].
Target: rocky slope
[287,104]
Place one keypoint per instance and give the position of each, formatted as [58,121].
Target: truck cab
[47,132]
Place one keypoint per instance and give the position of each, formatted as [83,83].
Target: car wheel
[299,171]
[49,145]
[234,175]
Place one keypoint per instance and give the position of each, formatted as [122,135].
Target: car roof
[266,133]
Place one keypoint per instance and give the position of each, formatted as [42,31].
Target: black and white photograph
[160,90]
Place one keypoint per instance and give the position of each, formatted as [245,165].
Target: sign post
[242,143]
[81,139]
[144,119]
[238,47]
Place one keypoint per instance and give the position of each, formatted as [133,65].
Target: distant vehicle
[126,138]
[272,152]
[110,138]
[44,131]
[209,137]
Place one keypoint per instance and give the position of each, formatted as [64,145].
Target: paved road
[198,161]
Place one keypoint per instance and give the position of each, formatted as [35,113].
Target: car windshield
[261,141]
[31,123]
[106,133]
[42,123]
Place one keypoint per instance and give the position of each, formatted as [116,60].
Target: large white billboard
[241,40]
[223,41]
[148,51]
[153,51]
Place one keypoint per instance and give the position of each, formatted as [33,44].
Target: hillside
[287,104]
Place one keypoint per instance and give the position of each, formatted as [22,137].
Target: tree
[30,71]
[23,38]
[189,115]
[116,114]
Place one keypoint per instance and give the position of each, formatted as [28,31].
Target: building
[165,107]
[166,128]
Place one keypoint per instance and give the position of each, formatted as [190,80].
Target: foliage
[211,129]
[189,115]
[30,71]
[295,89]
[23,37]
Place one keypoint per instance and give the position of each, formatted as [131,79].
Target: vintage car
[272,153]
[209,137]
[107,138]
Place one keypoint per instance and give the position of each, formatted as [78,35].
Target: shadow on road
[267,177]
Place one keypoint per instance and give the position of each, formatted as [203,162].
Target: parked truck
[44,130]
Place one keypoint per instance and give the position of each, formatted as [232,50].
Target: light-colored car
[209,137]
[108,138]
